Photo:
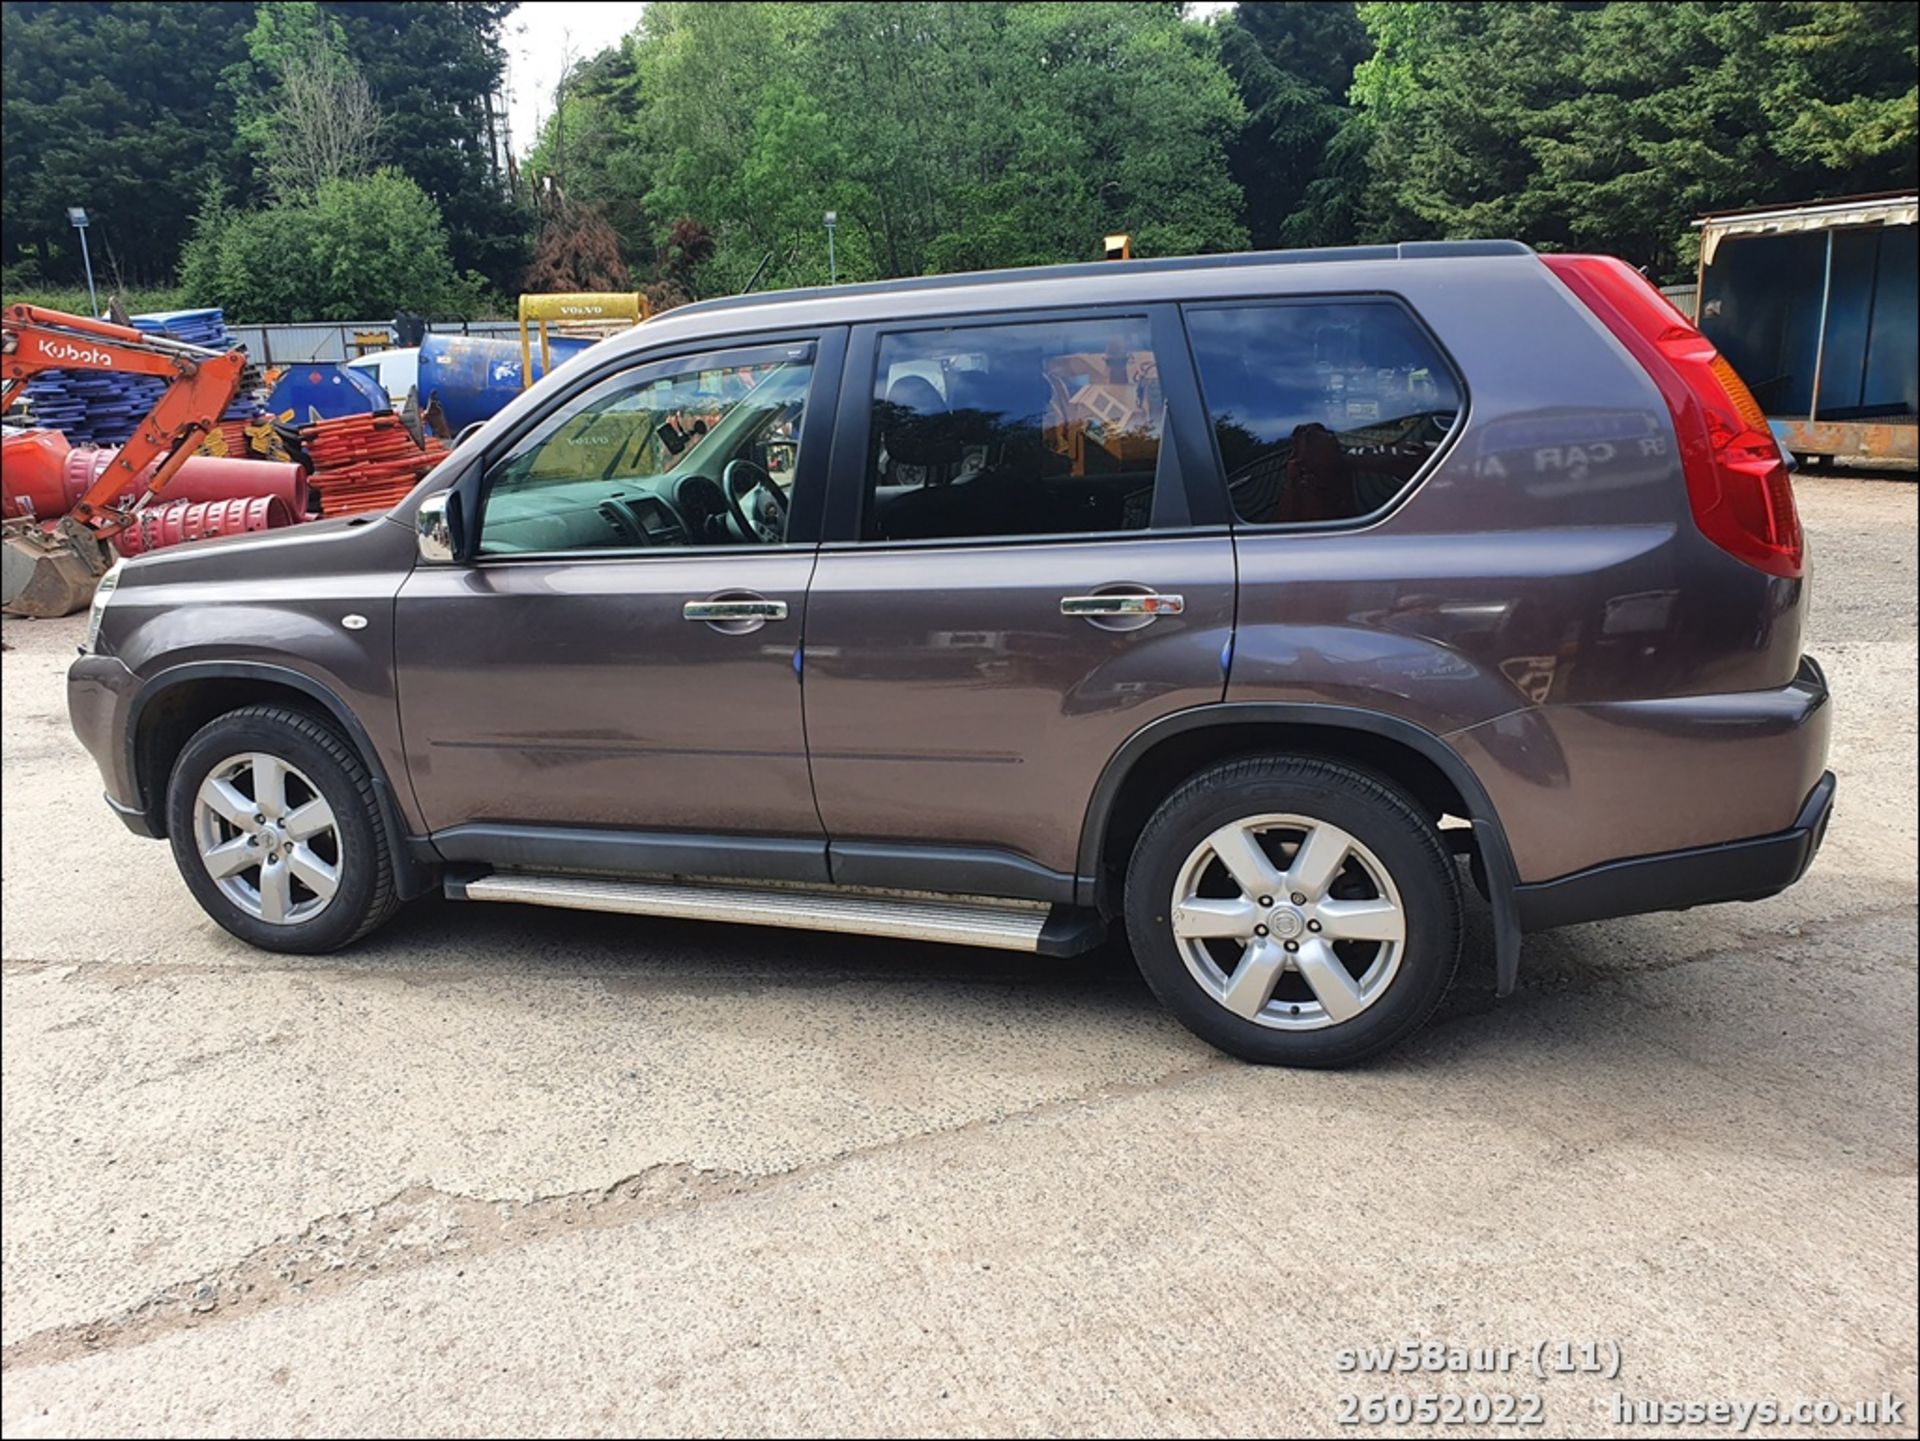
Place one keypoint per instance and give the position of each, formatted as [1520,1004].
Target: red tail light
[1736,477]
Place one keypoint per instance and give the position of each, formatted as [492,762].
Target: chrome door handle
[1122,604]
[734,610]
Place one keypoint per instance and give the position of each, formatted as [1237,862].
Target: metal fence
[1684,298]
[334,341]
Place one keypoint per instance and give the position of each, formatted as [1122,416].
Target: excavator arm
[53,572]
[204,383]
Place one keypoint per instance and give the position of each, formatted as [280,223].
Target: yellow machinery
[583,314]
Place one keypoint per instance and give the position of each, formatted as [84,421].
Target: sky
[539,35]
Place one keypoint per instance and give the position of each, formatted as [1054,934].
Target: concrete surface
[500,1169]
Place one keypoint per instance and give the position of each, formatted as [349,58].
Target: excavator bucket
[45,575]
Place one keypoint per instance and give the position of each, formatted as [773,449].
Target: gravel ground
[503,1169]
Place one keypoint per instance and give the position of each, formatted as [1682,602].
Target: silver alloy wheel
[1288,922]
[268,838]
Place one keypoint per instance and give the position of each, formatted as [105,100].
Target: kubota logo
[66,350]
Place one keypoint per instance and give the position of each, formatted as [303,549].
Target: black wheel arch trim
[134,817]
[1489,835]
[411,877]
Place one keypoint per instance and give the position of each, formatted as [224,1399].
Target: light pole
[833,271]
[77,217]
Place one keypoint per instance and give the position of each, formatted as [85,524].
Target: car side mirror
[437,529]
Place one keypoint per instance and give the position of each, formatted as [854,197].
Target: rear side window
[1323,410]
[1003,430]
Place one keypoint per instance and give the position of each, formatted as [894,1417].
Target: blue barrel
[475,376]
[327,389]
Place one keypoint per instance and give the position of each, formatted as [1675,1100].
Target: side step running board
[1061,931]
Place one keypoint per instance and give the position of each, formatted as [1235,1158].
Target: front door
[1020,579]
[619,659]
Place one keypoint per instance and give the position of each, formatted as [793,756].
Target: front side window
[1323,411]
[696,452]
[1030,429]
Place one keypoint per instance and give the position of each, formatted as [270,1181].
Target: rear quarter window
[1322,410]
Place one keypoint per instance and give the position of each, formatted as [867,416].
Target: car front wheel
[278,833]
[1294,911]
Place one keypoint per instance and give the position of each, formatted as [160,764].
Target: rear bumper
[1582,786]
[1746,870]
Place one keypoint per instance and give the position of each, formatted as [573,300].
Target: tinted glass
[1042,429]
[1322,411]
[648,458]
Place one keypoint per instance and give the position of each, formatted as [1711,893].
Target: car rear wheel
[277,831]
[1294,911]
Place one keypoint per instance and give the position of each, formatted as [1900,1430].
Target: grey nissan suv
[1234,602]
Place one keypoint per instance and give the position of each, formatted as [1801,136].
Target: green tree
[351,250]
[282,35]
[706,72]
[1844,98]
[301,106]
[944,136]
[130,107]
[1453,94]
[434,70]
[1609,127]
[1147,111]
[583,157]
[117,107]
[1292,62]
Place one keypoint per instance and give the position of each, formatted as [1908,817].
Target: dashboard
[665,511]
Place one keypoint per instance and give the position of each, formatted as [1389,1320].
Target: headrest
[914,424]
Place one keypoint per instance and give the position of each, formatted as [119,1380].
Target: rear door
[1016,576]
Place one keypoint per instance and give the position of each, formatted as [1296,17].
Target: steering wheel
[765,516]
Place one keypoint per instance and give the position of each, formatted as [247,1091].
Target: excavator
[51,569]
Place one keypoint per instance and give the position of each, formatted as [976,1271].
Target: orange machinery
[51,569]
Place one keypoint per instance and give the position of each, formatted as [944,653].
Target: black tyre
[1293,911]
[277,831]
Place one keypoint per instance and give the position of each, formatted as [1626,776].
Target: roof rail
[1407,250]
